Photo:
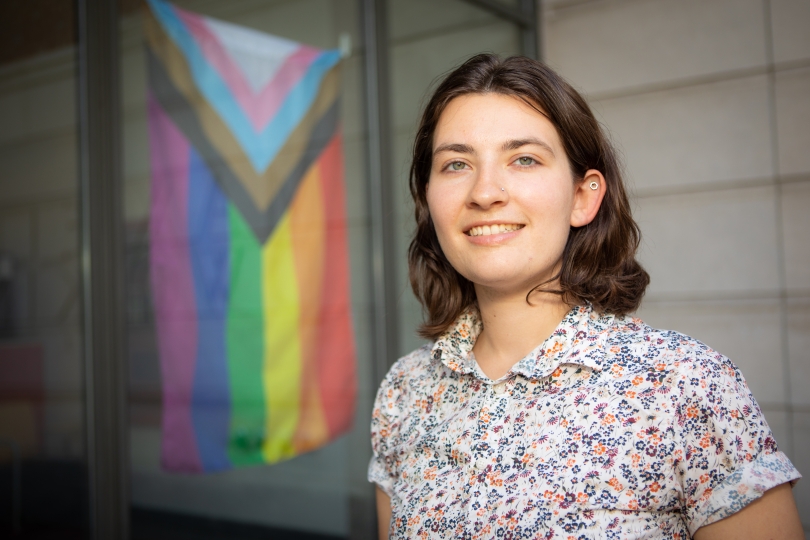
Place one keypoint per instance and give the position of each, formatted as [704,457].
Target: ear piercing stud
[502,189]
[593,185]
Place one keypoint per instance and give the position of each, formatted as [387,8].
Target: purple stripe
[173,287]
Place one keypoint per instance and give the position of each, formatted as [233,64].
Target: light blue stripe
[263,147]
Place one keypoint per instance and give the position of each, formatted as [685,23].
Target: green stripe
[245,337]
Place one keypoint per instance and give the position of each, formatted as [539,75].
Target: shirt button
[481,463]
[499,388]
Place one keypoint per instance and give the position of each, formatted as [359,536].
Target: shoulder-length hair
[598,263]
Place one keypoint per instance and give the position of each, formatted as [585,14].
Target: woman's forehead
[493,119]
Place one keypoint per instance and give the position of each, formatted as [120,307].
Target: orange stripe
[308,236]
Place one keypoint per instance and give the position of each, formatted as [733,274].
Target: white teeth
[486,230]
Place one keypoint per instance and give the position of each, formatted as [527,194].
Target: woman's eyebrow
[454,147]
[514,144]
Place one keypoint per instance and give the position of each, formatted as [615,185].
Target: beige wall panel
[746,331]
[413,19]
[692,136]
[801,459]
[401,163]
[58,230]
[607,46]
[57,271]
[16,236]
[137,168]
[39,169]
[705,243]
[790,20]
[796,231]
[32,105]
[352,97]
[51,107]
[12,116]
[134,78]
[799,348]
[354,168]
[57,291]
[793,120]
[359,278]
[415,65]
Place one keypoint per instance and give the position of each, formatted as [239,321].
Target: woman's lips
[496,228]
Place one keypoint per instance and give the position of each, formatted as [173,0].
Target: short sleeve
[726,455]
[385,425]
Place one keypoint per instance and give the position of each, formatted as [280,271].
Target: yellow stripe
[282,354]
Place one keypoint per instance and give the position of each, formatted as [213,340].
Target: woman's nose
[487,189]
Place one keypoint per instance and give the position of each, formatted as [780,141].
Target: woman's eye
[457,165]
[525,161]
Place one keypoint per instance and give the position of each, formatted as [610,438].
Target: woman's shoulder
[633,341]
[410,372]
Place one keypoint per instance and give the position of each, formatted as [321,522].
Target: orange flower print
[615,484]
[637,380]
[654,487]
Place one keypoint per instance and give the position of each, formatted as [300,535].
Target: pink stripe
[273,95]
[259,108]
[172,287]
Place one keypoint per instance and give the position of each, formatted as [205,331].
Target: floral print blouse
[608,429]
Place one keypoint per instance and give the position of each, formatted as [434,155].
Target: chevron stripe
[260,198]
[261,148]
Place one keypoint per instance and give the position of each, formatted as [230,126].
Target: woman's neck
[513,327]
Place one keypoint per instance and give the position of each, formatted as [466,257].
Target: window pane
[41,404]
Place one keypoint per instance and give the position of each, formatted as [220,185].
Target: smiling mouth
[486,230]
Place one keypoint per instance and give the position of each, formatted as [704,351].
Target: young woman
[541,409]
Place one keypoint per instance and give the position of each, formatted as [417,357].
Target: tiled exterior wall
[709,103]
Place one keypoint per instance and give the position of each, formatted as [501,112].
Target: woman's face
[501,193]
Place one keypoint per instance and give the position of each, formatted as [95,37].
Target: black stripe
[262,223]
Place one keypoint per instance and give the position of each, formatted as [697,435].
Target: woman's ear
[588,195]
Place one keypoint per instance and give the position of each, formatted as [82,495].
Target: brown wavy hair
[599,260]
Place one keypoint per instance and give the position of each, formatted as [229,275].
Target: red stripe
[335,354]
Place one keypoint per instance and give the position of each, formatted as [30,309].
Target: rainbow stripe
[248,248]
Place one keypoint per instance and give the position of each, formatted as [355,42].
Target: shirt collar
[578,339]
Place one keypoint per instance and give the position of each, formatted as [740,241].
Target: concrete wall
[709,102]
